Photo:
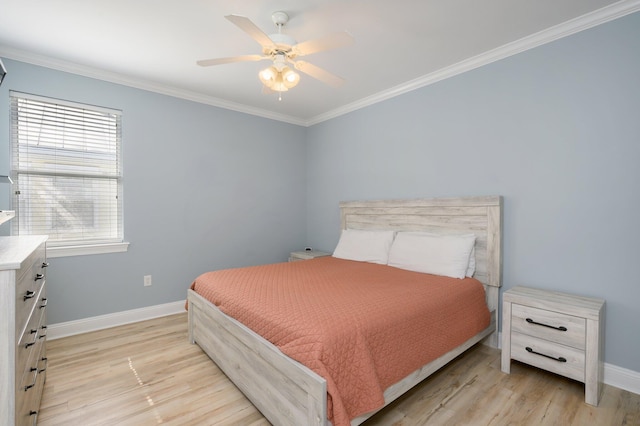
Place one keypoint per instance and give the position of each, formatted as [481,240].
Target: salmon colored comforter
[361,326]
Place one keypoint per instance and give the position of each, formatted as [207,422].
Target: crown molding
[111,77]
[589,20]
[581,23]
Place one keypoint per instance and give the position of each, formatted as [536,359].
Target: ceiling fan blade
[250,28]
[330,41]
[319,73]
[220,61]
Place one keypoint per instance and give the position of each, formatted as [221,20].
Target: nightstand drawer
[564,334]
[559,359]
[549,325]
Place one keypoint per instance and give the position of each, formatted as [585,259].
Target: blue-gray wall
[555,130]
[204,188]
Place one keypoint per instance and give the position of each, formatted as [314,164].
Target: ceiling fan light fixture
[283,50]
[268,76]
[290,77]
[279,80]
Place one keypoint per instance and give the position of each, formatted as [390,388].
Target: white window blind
[67,171]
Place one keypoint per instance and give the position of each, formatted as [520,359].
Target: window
[67,172]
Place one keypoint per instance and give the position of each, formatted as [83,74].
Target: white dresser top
[14,250]
[6,215]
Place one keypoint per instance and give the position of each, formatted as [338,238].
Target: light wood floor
[147,374]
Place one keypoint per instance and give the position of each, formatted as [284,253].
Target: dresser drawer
[26,347]
[30,280]
[23,297]
[549,325]
[29,393]
[32,339]
[548,355]
[37,257]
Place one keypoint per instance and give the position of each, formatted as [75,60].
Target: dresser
[23,329]
[558,332]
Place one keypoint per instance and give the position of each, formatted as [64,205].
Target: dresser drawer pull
[559,359]
[46,362]
[45,264]
[29,294]
[35,378]
[29,344]
[33,413]
[561,328]
[38,277]
[44,303]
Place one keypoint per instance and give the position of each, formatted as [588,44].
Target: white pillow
[471,269]
[364,246]
[436,254]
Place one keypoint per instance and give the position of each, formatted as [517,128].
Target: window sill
[88,249]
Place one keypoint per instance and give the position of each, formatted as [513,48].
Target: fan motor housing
[283,42]
[279,18]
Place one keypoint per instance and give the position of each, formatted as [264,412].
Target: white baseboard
[70,328]
[618,377]
[622,378]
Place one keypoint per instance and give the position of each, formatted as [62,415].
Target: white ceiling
[399,45]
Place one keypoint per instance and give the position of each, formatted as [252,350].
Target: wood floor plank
[148,374]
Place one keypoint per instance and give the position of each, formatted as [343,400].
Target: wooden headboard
[479,215]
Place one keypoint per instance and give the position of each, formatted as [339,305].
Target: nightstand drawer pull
[559,359]
[561,328]
[29,295]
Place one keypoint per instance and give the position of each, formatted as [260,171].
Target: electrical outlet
[147,280]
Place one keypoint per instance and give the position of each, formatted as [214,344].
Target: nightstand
[306,254]
[557,332]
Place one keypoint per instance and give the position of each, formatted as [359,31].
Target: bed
[289,393]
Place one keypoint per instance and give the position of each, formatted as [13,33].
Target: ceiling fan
[282,50]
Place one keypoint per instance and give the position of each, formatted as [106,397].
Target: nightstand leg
[593,364]
[506,338]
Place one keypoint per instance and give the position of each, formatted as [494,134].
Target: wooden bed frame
[287,392]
